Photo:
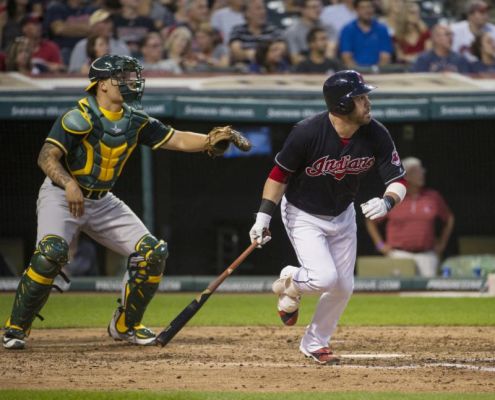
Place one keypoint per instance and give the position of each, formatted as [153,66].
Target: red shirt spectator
[411,225]
[410,230]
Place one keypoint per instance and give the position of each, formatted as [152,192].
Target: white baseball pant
[326,250]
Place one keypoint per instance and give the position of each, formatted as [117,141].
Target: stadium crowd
[256,36]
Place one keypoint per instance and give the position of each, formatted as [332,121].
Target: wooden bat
[187,313]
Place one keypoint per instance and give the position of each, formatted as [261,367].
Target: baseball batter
[83,155]
[316,178]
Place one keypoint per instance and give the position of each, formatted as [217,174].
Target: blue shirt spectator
[441,58]
[365,41]
[429,61]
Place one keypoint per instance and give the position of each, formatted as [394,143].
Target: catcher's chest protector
[100,156]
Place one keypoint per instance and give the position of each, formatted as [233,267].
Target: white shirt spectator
[463,37]
[337,16]
[224,19]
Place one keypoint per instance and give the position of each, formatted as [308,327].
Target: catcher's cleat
[288,296]
[138,334]
[14,339]
[322,356]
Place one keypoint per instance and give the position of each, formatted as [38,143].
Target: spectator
[96,46]
[67,22]
[394,15]
[365,42]
[131,27]
[296,34]
[152,51]
[45,56]
[224,19]
[441,58]
[197,13]
[19,56]
[410,229]
[483,49]
[101,24]
[412,37]
[271,57]
[338,15]
[162,16]
[210,54]
[11,14]
[476,23]
[317,62]
[180,14]
[177,46]
[244,38]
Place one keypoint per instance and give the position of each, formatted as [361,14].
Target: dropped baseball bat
[187,313]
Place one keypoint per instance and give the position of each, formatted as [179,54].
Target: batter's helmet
[341,87]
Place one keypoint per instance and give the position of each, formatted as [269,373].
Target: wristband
[267,207]
[389,202]
[380,246]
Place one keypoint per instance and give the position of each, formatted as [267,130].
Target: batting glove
[259,228]
[375,208]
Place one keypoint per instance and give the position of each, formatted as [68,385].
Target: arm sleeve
[155,133]
[293,153]
[385,41]
[345,43]
[388,161]
[443,209]
[63,139]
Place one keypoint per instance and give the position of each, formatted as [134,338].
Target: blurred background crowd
[255,36]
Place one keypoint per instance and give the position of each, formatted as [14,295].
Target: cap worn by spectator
[99,16]
[31,19]
[476,5]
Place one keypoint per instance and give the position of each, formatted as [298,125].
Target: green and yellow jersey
[97,142]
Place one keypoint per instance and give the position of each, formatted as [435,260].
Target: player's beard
[360,117]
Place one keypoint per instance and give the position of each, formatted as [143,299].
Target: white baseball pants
[326,250]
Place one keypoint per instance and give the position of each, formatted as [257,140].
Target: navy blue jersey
[325,174]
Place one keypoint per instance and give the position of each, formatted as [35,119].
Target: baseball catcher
[82,157]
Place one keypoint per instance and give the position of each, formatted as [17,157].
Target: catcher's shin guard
[34,288]
[145,270]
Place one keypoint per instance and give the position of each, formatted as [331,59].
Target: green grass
[73,395]
[94,310]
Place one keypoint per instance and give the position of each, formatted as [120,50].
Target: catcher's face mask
[124,72]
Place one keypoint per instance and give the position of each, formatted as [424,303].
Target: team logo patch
[115,129]
[340,168]
[395,158]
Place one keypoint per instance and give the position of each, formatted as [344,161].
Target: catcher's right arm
[220,137]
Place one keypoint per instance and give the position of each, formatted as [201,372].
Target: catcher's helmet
[341,87]
[124,70]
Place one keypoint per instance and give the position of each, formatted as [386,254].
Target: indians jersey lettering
[325,173]
[339,168]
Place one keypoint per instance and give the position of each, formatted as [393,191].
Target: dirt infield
[409,359]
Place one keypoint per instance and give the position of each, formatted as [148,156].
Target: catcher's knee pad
[34,288]
[145,270]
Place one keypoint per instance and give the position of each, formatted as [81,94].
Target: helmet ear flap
[345,106]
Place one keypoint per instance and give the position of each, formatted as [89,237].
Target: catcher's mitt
[219,139]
